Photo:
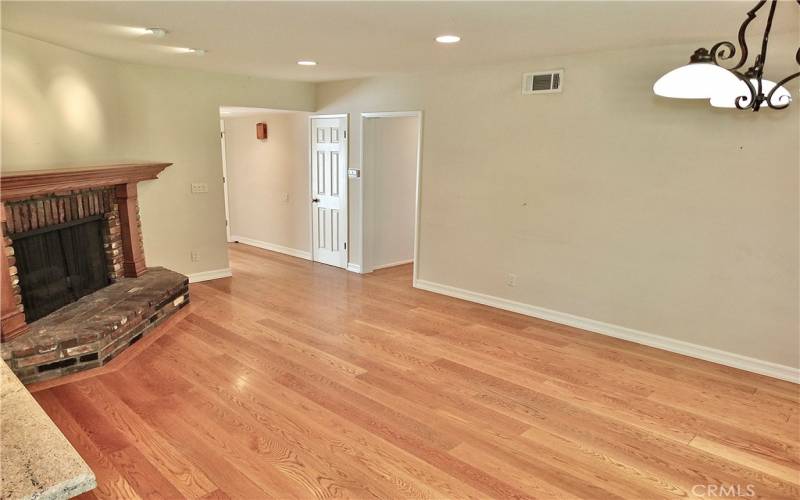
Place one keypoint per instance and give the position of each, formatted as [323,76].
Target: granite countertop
[36,460]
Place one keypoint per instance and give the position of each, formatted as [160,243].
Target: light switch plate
[353,172]
[199,187]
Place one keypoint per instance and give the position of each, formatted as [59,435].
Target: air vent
[543,82]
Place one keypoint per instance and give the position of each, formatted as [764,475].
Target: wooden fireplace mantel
[22,185]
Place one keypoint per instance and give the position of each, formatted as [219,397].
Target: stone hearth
[93,330]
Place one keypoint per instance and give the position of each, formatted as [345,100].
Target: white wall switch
[353,172]
[199,187]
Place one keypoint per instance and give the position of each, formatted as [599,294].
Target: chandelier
[705,78]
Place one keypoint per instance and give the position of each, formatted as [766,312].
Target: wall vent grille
[543,82]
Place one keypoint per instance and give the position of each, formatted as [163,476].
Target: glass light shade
[727,98]
[695,81]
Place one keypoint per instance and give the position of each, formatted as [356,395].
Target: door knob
[315,200]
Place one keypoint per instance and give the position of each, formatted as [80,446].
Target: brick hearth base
[92,331]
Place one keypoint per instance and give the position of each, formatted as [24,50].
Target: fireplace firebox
[60,264]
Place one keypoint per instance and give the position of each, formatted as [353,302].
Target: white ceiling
[357,39]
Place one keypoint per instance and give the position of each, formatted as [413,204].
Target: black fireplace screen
[60,264]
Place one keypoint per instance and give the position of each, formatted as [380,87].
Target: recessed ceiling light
[448,38]
[307,63]
[156,32]
[187,50]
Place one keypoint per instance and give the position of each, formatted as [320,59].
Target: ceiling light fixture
[307,63]
[156,32]
[187,50]
[699,79]
[705,78]
[448,38]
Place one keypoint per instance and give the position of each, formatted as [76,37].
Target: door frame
[346,203]
[366,264]
[225,192]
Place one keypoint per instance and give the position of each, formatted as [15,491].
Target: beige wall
[390,159]
[606,201]
[62,106]
[268,188]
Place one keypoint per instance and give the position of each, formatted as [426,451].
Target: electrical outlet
[285,197]
[195,255]
[511,280]
[199,187]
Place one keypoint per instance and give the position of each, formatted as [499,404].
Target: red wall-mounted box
[261,130]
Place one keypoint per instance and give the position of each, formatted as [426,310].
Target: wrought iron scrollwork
[753,77]
[745,101]
[786,100]
[723,51]
[728,49]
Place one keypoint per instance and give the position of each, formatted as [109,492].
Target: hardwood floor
[298,380]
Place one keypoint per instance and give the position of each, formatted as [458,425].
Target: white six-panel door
[329,190]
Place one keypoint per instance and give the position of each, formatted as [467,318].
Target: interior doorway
[391,157]
[329,189]
[266,178]
[225,180]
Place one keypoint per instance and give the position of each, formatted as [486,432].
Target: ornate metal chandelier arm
[725,50]
[761,59]
[741,101]
[786,99]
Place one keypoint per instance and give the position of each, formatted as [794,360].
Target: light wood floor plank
[298,380]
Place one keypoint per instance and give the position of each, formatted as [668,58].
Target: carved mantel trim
[22,185]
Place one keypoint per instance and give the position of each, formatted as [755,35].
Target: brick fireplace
[75,287]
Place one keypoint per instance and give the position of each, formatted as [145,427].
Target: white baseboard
[273,247]
[392,264]
[677,346]
[353,268]
[210,275]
